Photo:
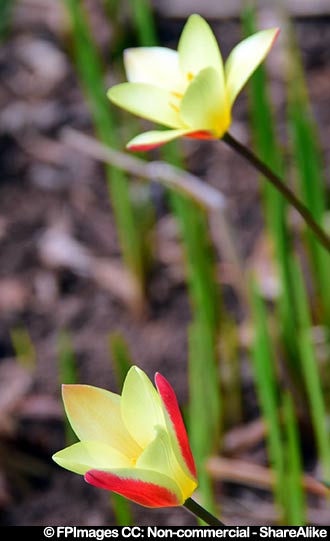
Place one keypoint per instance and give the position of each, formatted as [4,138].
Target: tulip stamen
[177,95]
[190,76]
[175,107]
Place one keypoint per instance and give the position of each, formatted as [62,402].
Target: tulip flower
[134,444]
[189,91]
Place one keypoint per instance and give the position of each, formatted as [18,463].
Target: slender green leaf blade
[294,466]
[121,357]
[267,389]
[67,373]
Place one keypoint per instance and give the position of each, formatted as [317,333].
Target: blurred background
[101,267]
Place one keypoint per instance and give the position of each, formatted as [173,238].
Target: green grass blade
[122,510]
[6,9]
[267,147]
[24,349]
[312,377]
[144,22]
[294,467]
[204,390]
[309,169]
[267,390]
[204,290]
[67,373]
[121,357]
[91,71]
[316,401]
[204,404]
[111,7]
[200,262]
[67,359]
[262,119]
[230,373]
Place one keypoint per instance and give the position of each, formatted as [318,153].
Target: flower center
[175,104]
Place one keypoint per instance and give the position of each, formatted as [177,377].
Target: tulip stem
[278,183]
[201,513]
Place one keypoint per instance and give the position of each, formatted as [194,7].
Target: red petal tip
[278,30]
[201,135]
[141,492]
[172,407]
[143,148]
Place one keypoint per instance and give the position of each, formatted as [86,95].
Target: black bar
[101,533]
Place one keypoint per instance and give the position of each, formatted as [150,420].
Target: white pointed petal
[158,66]
[84,456]
[205,105]
[198,48]
[152,139]
[141,407]
[147,101]
[245,58]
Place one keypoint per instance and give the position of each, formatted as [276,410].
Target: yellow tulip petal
[159,456]
[95,415]
[198,49]
[152,139]
[141,407]
[158,66]
[205,105]
[147,101]
[84,456]
[245,58]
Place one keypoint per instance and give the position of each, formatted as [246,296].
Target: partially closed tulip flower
[189,91]
[134,444]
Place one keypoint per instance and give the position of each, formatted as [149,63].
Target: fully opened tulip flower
[134,444]
[190,91]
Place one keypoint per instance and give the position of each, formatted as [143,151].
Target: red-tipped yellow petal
[245,58]
[202,134]
[174,417]
[152,139]
[95,415]
[160,456]
[198,49]
[141,407]
[83,456]
[147,101]
[204,106]
[147,488]
[158,66]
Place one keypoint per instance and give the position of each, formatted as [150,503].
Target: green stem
[201,513]
[277,182]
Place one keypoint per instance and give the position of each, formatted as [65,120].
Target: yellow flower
[134,444]
[190,90]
